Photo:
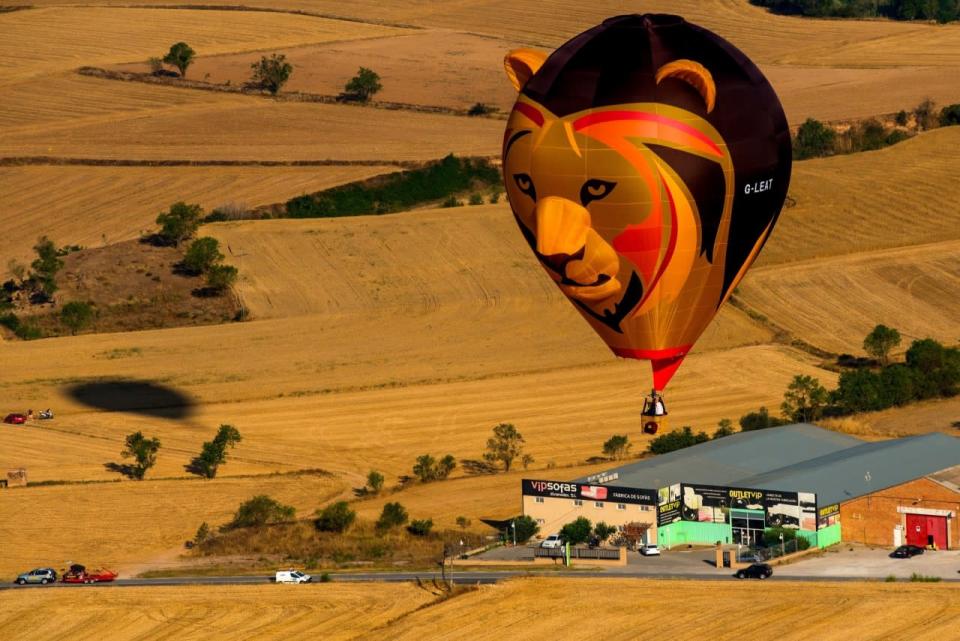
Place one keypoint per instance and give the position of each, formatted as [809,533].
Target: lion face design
[627,195]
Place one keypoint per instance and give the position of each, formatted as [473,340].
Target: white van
[552,541]
[293,576]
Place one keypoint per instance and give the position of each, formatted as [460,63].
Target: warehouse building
[828,486]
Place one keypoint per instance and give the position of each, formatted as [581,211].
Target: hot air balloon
[646,162]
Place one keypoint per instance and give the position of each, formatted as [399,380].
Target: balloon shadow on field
[135,397]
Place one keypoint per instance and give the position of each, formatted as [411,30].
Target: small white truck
[292,576]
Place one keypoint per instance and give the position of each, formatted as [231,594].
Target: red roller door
[922,529]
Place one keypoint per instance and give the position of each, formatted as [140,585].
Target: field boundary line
[293,96]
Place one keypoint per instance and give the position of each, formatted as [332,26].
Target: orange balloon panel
[646,162]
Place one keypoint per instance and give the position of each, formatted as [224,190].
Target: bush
[925,114]
[859,390]
[202,254]
[420,527]
[603,531]
[271,73]
[950,115]
[724,428]
[814,139]
[203,533]
[228,211]
[180,56]
[156,65]
[577,531]
[525,528]
[261,510]
[481,109]
[221,277]
[476,199]
[45,267]
[760,420]
[676,440]
[179,223]
[77,315]
[375,481]
[364,85]
[429,469]
[901,118]
[336,517]
[463,522]
[451,202]
[393,515]
[325,577]
[617,446]
[494,198]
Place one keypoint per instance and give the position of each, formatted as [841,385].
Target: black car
[906,551]
[755,571]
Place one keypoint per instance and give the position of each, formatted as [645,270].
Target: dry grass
[894,197]
[90,205]
[833,303]
[262,612]
[61,38]
[553,609]
[120,525]
[938,415]
[265,130]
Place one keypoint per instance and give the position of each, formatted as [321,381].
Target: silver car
[40,575]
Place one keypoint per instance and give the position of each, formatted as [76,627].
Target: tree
[724,428]
[214,453]
[925,113]
[950,115]
[180,56]
[504,446]
[425,468]
[203,534]
[202,254]
[45,267]
[336,517]
[179,223]
[859,390]
[617,446]
[603,531]
[880,341]
[577,531]
[271,73]
[525,527]
[759,420]
[393,515]
[935,368]
[897,384]
[221,277]
[677,440]
[804,399]
[463,522]
[77,315]
[420,527]
[526,460]
[375,481]
[446,465]
[814,139]
[261,510]
[364,85]
[143,451]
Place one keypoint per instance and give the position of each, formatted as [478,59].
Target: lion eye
[525,184]
[595,189]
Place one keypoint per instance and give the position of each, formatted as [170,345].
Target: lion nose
[562,227]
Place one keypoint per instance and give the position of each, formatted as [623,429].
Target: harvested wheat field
[120,525]
[91,206]
[261,613]
[894,197]
[267,130]
[65,37]
[554,609]
[833,303]
[346,431]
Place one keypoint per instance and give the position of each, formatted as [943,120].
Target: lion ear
[521,64]
[694,74]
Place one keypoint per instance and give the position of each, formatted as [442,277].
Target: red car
[15,419]
[79,574]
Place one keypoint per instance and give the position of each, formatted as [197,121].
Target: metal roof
[740,455]
[865,468]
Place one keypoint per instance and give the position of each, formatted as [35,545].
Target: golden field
[121,525]
[261,613]
[93,205]
[521,609]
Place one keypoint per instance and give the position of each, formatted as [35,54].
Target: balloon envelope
[646,161]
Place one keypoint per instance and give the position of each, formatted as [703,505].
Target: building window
[577,503]
[598,504]
[539,499]
[644,508]
[621,506]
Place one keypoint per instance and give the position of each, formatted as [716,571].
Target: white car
[552,541]
[293,576]
[650,549]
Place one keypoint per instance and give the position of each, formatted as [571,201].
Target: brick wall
[871,519]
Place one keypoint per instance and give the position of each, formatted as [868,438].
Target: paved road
[458,577]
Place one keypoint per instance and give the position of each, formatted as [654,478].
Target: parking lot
[873,563]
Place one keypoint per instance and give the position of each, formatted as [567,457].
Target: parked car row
[76,574]
[20,419]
